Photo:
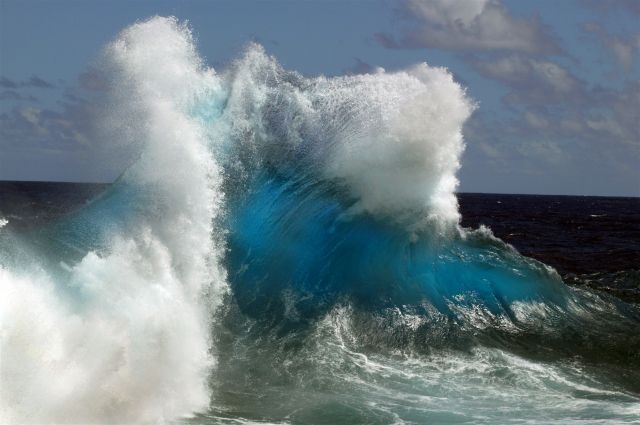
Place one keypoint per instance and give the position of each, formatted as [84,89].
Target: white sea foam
[132,344]
[405,151]
[394,138]
[484,385]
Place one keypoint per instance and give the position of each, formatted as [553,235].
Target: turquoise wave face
[297,238]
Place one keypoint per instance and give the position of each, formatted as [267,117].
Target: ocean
[292,250]
[592,241]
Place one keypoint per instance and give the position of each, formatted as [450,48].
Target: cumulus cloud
[470,25]
[32,127]
[554,98]
[556,150]
[553,120]
[61,142]
[625,49]
[559,124]
[533,81]
[557,120]
[623,105]
[606,122]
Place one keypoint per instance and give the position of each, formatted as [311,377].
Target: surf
[287,248]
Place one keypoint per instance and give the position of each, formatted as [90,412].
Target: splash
[392,139]
[268,217]
[123,335]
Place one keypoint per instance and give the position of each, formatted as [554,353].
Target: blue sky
[557,82]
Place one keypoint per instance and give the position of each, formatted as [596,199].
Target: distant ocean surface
[592,241]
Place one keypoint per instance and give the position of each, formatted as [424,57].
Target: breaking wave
[288,249]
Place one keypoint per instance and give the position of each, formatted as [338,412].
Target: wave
[269,217]
[105,317]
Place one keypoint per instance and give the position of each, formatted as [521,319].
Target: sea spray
[393,139]
[328,206]
[123,336]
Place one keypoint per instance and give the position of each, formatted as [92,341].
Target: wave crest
[123,335]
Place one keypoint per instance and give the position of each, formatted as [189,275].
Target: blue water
[288,236]
[289,250]
[336,317]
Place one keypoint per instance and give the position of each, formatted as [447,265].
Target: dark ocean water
[591,241]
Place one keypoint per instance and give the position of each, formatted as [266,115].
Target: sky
[557,83]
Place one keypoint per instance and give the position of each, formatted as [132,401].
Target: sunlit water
[287,250]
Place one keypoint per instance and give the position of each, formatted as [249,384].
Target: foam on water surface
[287,249]
[122,335]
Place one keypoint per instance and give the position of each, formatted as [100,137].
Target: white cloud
[625,49]
[533,80]
[606,121]
[536,120]
[60,143]
[472,25]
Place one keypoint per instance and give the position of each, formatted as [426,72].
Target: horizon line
[457,192]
